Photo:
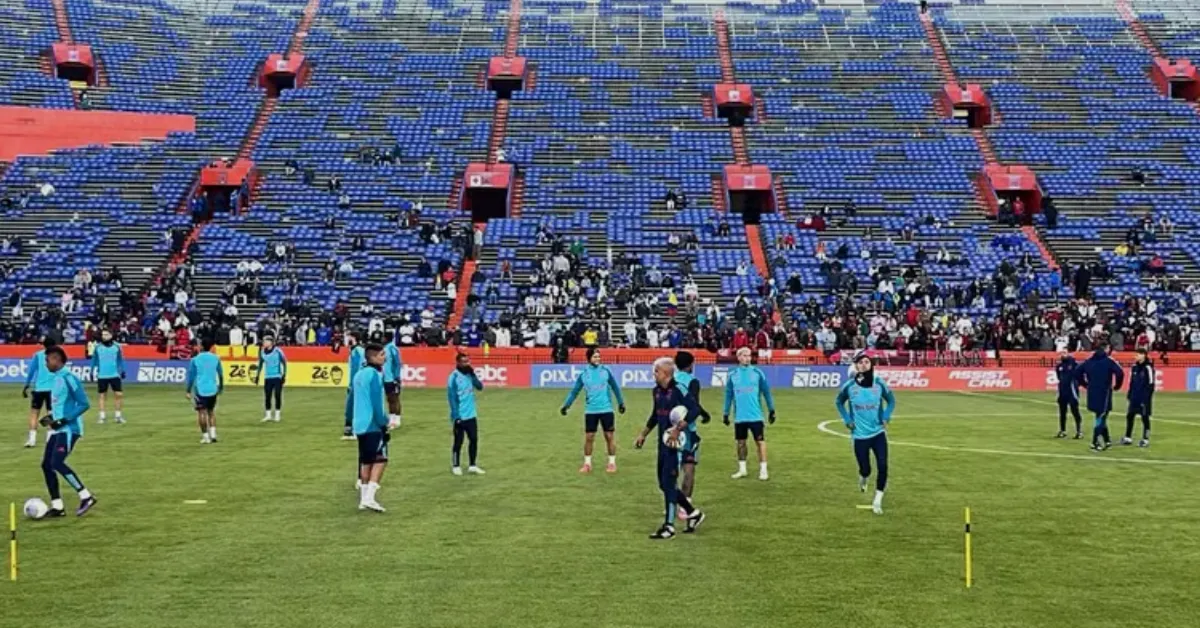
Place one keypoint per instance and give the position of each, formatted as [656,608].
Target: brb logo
[558,377]
[983,379]
[904,378]
[150,374]
[805,378]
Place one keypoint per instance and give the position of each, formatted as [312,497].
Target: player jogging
[272,368]
[205,381]
[370,427]
[596,382]
[68,402]
[1097,374]
[745,384]
[42,381]
[1068,394]
[460,392]
[355,363]
[689,457]
[108,365]
[866,405]
[1141,398]
[667,396]
[392,367]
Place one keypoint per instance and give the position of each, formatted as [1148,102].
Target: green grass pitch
[1062,537]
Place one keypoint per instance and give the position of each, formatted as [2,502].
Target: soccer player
[68,402]
[392,367]
[205,381]
[108,364]
[42,381]
[690,387]
[460,392]
[370,427]
[746,384]
[1097,375]
[1141,398]
[596,382]
[866,405]
[1068,394]
[667,396]
[357,358]
[272,368]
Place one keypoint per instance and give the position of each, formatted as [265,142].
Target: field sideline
[1062,537]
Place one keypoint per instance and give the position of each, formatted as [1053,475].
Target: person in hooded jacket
[866,405]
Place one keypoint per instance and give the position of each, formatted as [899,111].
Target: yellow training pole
[967,543]
[12,541]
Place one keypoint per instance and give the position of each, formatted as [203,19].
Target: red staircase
[737,137]
[514,28]
[517,196]
[460,299]
[481,79]
[1139,31]
[264,114]
[985,146]
[723,54]
[301,32]
[61,21]
[718,192]
[939,51]
[452,202]
[530,78]
[499,127]
[1036,239]
[706,104]
[101,75]
[760,110]
[985,199]
[757,254]
[45,65]
[781,204]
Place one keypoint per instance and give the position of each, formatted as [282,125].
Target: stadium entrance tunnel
[749,192]
[280,73]
[968,102]
[487,191]
[74,62]
[225,187]
[1176,79]
[735,102]
[506,75]
[1013,183]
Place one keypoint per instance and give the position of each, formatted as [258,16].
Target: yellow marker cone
[967,544]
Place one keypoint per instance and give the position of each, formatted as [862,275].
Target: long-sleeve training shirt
[367,390]
[596,382]
[744,386]
[108,361]
[868,408]
[460,393]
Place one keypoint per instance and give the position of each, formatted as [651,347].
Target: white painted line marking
[195,502]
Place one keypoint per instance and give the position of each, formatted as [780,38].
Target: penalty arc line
[824,427]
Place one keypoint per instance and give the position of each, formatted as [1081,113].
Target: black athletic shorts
[391,388]
[113,383]
[604,420]
[40,400]
[372,448]
[206,403]
[742,430]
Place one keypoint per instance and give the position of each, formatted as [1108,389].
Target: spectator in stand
[334,184]
[346,269]
[742,269]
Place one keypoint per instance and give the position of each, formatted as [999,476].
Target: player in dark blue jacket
[1068,394]
[666,397]
[1100,375]
[1141,398]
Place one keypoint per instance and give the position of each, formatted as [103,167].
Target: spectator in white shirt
[237,337]
[630,333]
[542,336]
[427,318]
[181,298]
[406,333]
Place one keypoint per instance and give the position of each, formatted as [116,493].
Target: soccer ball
[678,413]
[683,437]
[35,508]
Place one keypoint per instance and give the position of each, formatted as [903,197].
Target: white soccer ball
[35,508]
[678,413]
[682,443]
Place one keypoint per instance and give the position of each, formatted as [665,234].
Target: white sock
[266,415]
[878,497]
[741,466]
[762,467]
[212,432]
[102,415]
[612,460]
[371,488]
[85,494]
[32,435]
[56,504]
[587,460]
[363,491]
[278,414]
[118,414]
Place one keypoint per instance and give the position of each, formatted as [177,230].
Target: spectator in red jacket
[740,339]
[762,339]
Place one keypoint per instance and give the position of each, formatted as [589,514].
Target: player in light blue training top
[42,380]
[108,365]
[392,369]
[206,380]
[356,361]
[599,387]
[272,368]
[866,405]
[68,402]
[743,388]
[460,392]
[370,425]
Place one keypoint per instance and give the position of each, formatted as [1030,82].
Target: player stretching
[356,363]
[392,367]
[746,384]
[596,381]
[460,392]
[108,363]
[42,381]
[68,402]
[667,396]
[866,405]
[1141,398]
[205,381]
[370,427]
[690,387]
[1096,374]
[272,368]
[1068,394]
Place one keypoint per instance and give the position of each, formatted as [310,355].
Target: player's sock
[762,470]
[103,416]
[741,466]
[363,491]
[372,488]
[56,504]
[212,433]
[862,483]
[684,503]
[877,505]
[85,494]
[32,437]
[587,461]
[612,460]
[278,415]
[120,416]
